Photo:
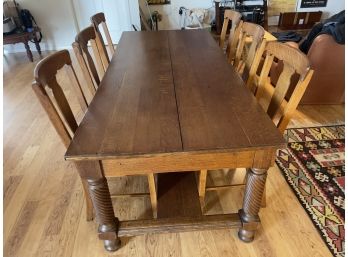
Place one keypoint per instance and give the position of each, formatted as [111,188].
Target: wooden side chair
[60,114]
[92,72]
[272,98]
[233,18]
[232,44]
[249,40]
[97,20]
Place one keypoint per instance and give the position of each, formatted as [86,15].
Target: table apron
[188,162]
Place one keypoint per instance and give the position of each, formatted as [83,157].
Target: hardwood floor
[44,209]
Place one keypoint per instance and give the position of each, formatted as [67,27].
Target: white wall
[171,18]
[170,12]
[332,7]
[119,15]
[55,18]
[59,27]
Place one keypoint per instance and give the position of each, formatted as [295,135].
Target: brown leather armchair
[326,58]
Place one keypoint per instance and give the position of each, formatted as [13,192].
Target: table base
[179,211]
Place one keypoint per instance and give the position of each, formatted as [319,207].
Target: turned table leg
[108,223]
[29,54]
[92,174]
[255,184]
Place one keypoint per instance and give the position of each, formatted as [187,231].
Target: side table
[24,37]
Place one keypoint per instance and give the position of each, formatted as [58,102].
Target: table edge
[90,157]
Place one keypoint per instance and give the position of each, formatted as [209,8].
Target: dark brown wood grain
[178,195]
[181,224]
[167,100]
[178,209]
[215,109]
[134,110]
[23,222]
[170,91]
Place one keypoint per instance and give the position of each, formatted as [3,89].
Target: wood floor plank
[10,186]
[224,244]
[169,245]
[206,248]
[57,215]
[26,159]
[32,238]
[69,226]
[189,246]
[15,204]
[24,189]
[58,235]
[13,153]
[86,242]
[20,228]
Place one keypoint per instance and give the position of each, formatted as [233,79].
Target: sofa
[326,58]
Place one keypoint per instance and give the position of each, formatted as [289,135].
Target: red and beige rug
[313,165]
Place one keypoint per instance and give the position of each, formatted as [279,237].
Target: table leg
[29,54]
[98,188]
[255,184]
[37,45]
[108,223]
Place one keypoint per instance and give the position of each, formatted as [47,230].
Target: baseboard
[19,48]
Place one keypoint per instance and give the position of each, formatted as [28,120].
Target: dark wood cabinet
[256,13]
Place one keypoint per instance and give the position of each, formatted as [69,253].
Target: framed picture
[313,3]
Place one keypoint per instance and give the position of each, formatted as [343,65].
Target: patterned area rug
[313,165]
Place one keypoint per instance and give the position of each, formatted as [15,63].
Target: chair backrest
[233,41]
[279,110]
[250,39]
[232,17]
[97,20]
[88,67]
[45,76]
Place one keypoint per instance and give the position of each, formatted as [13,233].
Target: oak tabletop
[167,92]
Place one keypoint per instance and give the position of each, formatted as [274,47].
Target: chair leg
[240,68]
[89,204]
[153,193]
[202,181]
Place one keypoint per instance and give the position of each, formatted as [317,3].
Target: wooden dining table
[172,105]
